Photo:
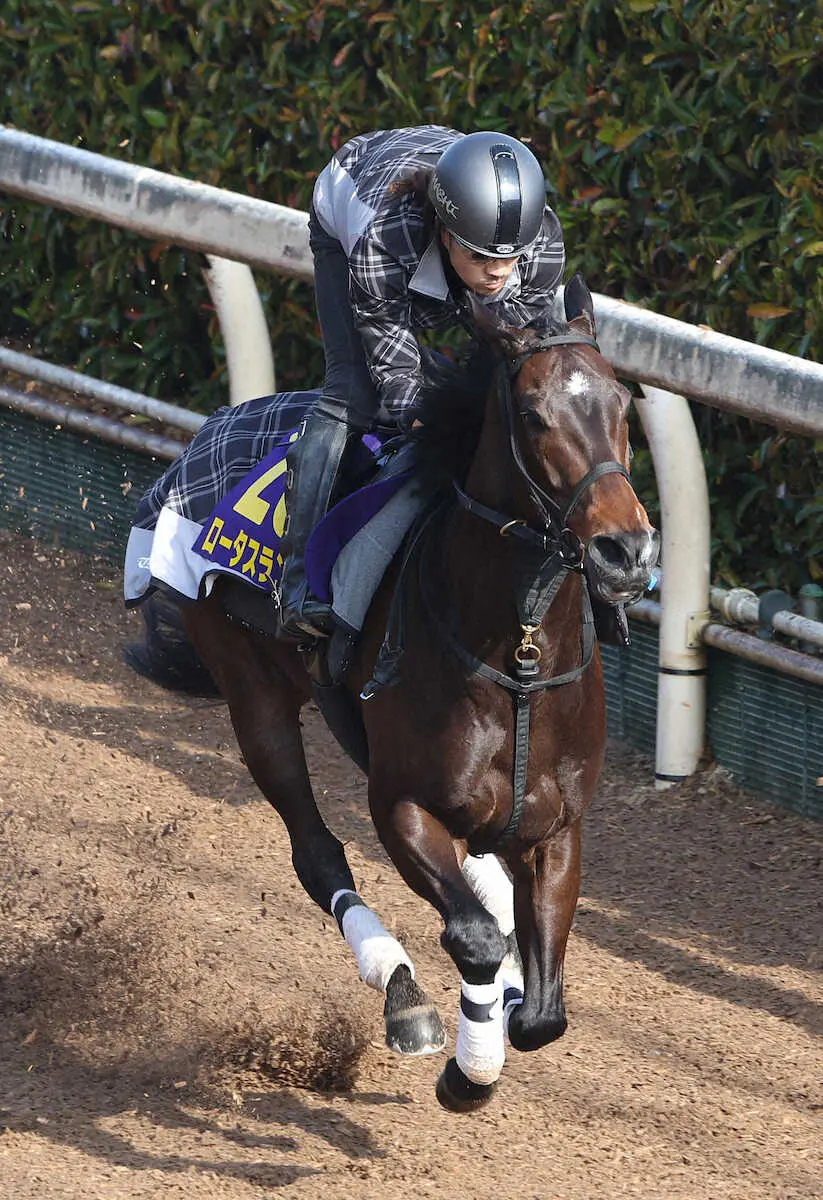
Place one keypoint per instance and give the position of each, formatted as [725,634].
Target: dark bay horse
[490,745]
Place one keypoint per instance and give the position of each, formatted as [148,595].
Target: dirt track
[177,1019]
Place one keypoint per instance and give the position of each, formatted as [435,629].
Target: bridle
[554,537]
[545,554]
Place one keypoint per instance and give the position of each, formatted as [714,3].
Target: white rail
[719,370]
[657,351]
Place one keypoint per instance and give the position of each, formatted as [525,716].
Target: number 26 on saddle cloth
[243,534]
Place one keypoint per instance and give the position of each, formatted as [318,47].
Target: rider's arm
[392,351]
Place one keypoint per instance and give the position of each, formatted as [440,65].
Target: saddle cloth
[220,510]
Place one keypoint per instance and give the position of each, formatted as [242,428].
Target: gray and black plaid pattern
[386,256]
[229,444]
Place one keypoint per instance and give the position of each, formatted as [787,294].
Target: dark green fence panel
[764,727]
[767,729]
[631,688]
[68,487]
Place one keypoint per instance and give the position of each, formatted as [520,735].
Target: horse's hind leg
[413,1025]
[262,684]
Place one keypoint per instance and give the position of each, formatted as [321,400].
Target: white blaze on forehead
[577,384]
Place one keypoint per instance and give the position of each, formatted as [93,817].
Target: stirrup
[308,618]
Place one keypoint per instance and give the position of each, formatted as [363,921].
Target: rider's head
[489,194]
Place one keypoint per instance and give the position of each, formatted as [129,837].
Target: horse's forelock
[511,341]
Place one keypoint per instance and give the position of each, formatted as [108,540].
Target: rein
[546,554]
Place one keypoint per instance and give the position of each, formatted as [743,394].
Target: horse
[488,745]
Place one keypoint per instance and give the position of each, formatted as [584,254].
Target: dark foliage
[681,140]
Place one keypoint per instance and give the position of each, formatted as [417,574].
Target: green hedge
[682,144]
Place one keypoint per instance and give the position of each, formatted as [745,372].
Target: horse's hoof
[416,1030]
[458,1093]
[413,1025]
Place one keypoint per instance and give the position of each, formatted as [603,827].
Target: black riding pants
[348,391]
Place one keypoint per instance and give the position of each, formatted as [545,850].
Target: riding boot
[313,463]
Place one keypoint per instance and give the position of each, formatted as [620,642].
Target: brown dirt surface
[178,1020]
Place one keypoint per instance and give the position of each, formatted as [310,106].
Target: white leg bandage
[378,953]
[512,984]
[480,1051]
[492,887]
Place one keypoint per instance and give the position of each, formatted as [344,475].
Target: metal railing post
[684,502]
[243,326]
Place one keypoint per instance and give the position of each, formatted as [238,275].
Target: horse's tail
[166,656]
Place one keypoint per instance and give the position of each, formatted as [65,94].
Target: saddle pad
[174,513]
[220,509]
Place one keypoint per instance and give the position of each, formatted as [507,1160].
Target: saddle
[348,552]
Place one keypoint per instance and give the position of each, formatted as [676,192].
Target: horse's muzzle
[621,564]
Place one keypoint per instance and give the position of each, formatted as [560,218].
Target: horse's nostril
[610,551]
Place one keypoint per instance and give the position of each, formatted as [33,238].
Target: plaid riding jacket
[397,282]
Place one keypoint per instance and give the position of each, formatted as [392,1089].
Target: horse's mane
[451,407]
[414,182]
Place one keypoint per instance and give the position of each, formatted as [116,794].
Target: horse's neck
[478,563]
[490,477]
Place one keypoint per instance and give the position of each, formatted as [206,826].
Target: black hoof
[458,1093]
[413,1025]
[416,1031]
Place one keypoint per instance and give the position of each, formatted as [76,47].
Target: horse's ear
[577,300]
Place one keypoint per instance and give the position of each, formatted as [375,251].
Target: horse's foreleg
[546,886]
[413,1025]
[424,854]
[422,849]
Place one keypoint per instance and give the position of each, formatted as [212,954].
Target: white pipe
[64,416]
[98,389]
[684,501]
[160,206]
[243,326]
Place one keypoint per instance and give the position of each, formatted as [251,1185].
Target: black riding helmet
[489,192]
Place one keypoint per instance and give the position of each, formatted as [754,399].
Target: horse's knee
[531,1031]
[475,943]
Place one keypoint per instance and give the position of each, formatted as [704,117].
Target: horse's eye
[532,419]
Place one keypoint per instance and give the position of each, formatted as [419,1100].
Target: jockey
[404,224]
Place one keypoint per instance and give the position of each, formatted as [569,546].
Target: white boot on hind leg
[492,887]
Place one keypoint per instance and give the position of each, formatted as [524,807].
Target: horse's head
[567,419]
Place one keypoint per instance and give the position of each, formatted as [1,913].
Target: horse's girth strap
[522,718]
